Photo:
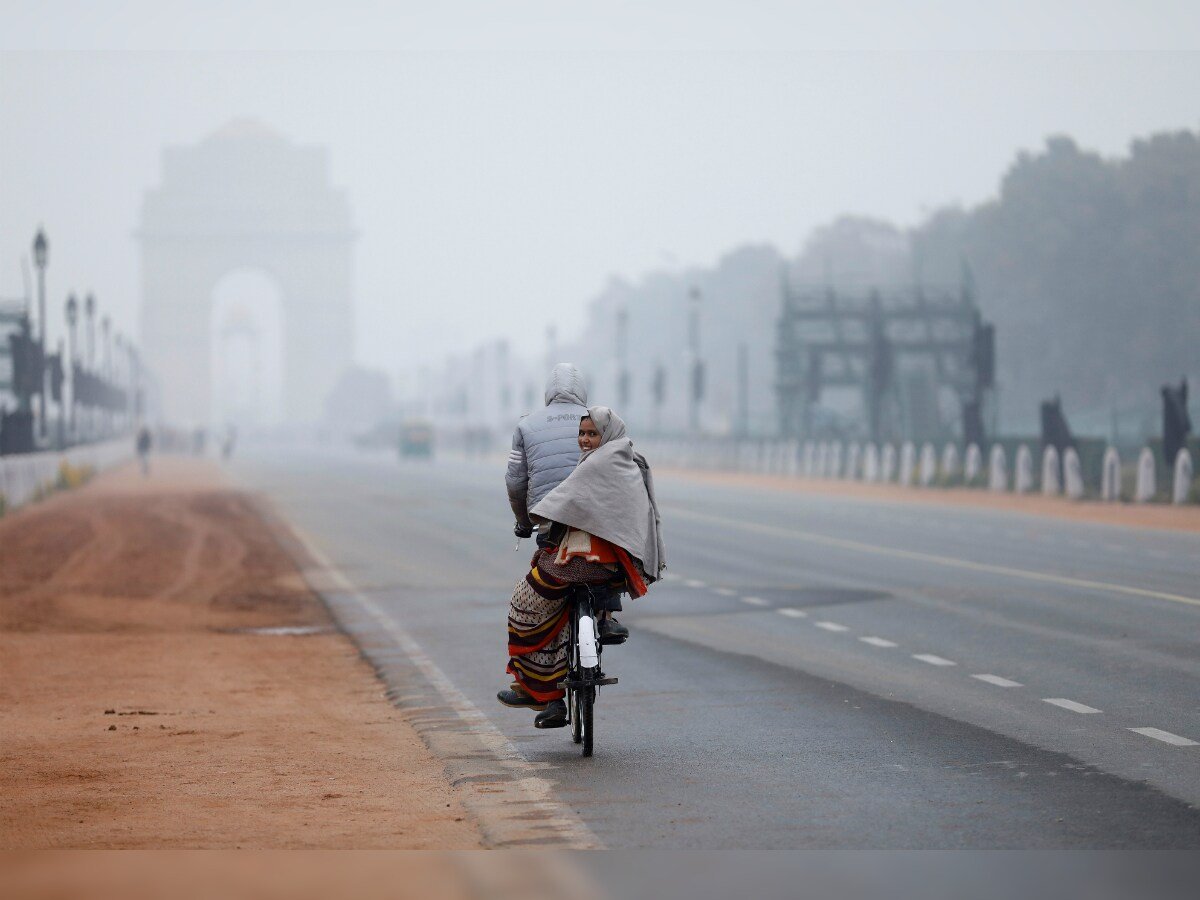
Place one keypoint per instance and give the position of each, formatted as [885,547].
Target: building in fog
[246,279]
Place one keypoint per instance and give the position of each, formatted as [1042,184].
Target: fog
[502,162]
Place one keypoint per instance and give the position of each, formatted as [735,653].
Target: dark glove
[523,531]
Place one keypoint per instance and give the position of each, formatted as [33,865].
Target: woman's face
[589,435]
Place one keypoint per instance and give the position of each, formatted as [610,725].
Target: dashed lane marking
[1070,704]
[998,681]
[1166,737]
[725,592]
[792,613]
[934,660]
[877,642]
[948,561]
[754,601]
[693,583]
[831,626]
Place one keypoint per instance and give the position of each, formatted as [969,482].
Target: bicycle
[584,675]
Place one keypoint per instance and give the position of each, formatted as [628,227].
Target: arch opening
[246,351]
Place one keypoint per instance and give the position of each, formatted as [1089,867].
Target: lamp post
[106,347]
[72,318]
[41,249]
[118,375]
[697,373]
[89,308]
[622,367]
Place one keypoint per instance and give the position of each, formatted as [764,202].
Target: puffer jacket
[545,446]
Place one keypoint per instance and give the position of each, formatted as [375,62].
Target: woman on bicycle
[607,525]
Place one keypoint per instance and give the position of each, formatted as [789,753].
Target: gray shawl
[611,494]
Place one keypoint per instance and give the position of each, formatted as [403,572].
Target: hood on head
[566,385]
[608,423]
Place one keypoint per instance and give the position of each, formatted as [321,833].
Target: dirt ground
[1130,515]
[139,706]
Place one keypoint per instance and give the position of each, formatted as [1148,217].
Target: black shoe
[510,697]
[555,715]
[612,632]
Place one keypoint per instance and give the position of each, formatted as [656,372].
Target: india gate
[246,279]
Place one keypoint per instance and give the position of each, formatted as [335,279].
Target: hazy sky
[503,159]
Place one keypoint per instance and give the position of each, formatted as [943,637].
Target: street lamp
[89,309]
[106,341]
[697,385]
[41,248]
[118,371]
[106,347]
[72,318]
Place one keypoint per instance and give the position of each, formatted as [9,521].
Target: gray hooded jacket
[545,446]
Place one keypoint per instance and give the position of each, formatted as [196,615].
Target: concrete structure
[246,200]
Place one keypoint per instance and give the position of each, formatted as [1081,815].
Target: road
[816,671]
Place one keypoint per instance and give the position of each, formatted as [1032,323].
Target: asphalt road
[816,672]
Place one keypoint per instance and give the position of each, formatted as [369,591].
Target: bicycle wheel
[573,674]
[587,700]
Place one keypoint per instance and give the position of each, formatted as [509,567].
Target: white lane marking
[831,626]
[528,785]
[671,576]
[725,592]
[948,561]
[1166,737]
[877,642]
[754,601]
[998,681]
[934,660]
[1114,548]
[1076,542]
[792,613]
[1069,704]
[693,583]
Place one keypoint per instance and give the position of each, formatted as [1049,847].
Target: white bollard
[1110,475]
[809,467]
[1184,473]
[1051,486]
[928,465]
[853,461]
[1023,475]
[1147,485]
[1072,474]
[973,464]
[823,459]
[908,461]
[949,463]
[870,467]
[793,458]
[835,460]
[997,470]
[887,465]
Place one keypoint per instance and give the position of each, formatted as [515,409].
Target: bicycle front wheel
[587,700]
[573,714]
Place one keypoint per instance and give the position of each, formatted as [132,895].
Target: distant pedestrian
[144,441]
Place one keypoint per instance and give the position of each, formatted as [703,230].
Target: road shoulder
[171,681]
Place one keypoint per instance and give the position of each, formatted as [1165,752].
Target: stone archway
[246,198]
